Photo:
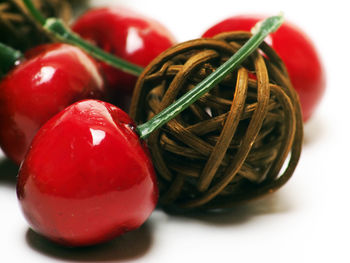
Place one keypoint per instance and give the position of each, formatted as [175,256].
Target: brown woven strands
[19,30]
[231,145]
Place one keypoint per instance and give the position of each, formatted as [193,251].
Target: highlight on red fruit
[87,177]
[296,50]
[52,77]
[126,34]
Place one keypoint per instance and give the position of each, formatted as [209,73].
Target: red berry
[53,77]
[298,53]
[87,177]
[126,34]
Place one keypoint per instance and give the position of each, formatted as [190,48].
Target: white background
[308,220]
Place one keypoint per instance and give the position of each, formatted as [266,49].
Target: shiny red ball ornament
[51,78]
[296,50]
[87,177]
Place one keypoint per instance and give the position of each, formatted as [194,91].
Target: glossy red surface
[87,177]
[53,77]
[296,50]
[126,34]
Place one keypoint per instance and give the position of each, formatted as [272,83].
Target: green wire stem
[34,11]
[260,32]
[63,34]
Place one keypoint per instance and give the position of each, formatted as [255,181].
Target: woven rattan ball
[238,142]
[19,30]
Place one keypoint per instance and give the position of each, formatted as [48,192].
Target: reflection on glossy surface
[133,41]
[44,75]
[87,178]
[97,136]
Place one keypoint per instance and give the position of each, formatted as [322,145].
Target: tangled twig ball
[238,142]
[19,30]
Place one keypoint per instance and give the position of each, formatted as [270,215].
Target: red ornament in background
[127,35]
[296,50]
[87,177]
[53,77]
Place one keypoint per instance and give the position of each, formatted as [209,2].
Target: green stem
[261,30]
[8,58]
[34,11]
[64,34]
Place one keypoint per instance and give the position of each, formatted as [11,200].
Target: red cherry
[298,53]
[53,77]
[127,35]
[87,177]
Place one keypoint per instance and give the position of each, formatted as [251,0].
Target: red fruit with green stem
[98,181]
[126,34]
[51,78]
[87,177]
[297,52]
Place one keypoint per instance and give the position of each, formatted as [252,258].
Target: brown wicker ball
[19,30]
[238,142]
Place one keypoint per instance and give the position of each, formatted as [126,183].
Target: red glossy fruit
[53,77]
[298,53]
[126,34]
[87,177]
